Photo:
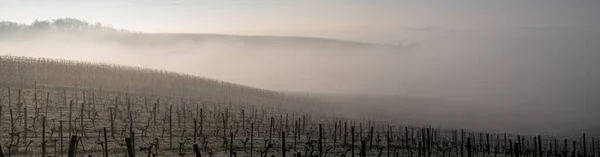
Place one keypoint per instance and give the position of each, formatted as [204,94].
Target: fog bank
[531,78]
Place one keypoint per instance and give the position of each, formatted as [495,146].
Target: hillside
[28,73]
[176,111]
[38,95]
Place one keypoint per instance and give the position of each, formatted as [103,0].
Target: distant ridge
[72,25]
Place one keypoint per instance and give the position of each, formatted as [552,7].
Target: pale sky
[383,21]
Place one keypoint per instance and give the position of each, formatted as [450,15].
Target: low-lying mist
[525,80]
[312,64]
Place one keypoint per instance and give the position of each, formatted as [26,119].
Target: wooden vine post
[72,145]
[105,143]
[283,144]
[44,136]
[320,140]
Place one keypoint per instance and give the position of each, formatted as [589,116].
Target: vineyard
[54,107]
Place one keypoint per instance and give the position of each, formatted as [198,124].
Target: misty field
[67,108]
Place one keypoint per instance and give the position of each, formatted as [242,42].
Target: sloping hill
[29,73]
[39,95]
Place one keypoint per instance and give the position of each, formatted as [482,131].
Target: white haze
[535,79]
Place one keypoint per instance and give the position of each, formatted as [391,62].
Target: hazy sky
[386,21]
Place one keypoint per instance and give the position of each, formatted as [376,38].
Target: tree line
[57,25]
